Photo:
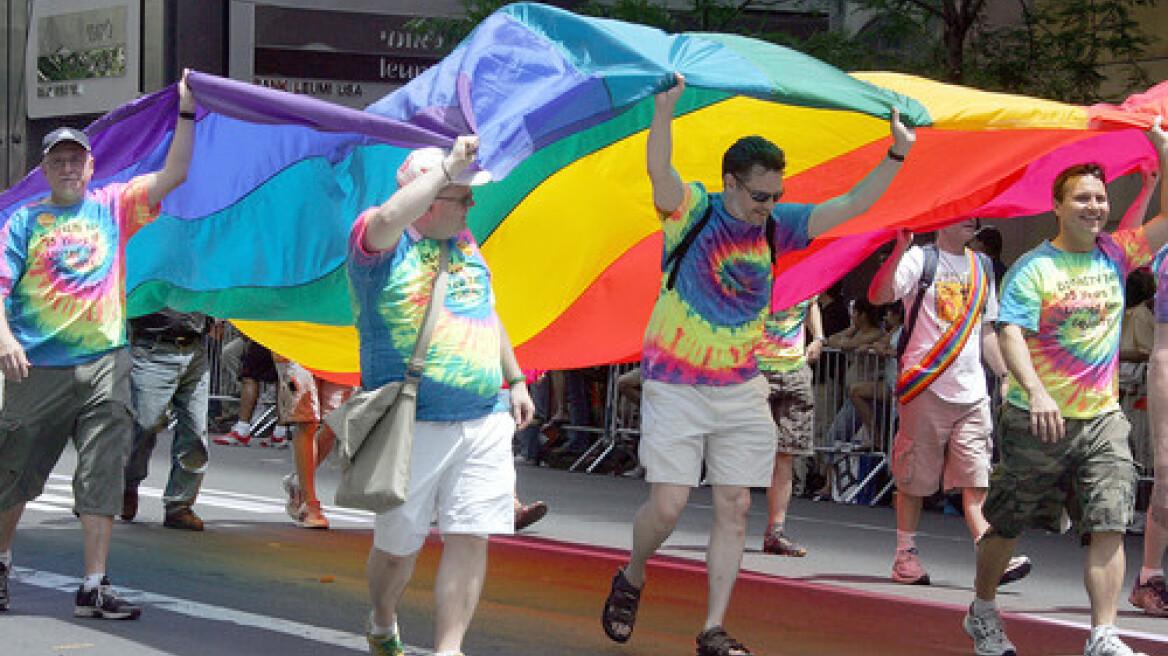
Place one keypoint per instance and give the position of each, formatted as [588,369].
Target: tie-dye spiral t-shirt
[63,273]
[391,291]
[704,330]
[1071,306]
[783,346]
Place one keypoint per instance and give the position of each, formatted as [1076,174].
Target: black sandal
[715,641]
[620,609]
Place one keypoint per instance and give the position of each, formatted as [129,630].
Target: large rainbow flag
[562,102]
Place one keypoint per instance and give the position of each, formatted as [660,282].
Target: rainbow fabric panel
[562,103]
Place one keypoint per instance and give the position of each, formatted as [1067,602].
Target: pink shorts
[942,443]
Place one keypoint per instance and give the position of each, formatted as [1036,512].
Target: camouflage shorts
[792,404]
[1089,474]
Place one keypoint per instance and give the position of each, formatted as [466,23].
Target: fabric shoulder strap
[430,319]
[928,272]
[915,379]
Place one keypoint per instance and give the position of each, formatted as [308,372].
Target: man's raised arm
[668,189]
[831,213]
[389,220]
[178,157]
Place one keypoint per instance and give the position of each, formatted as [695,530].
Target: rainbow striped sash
[915,379]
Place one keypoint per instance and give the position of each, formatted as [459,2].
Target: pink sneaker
[312,517]
[234,438]
[1151,596]
[907,569]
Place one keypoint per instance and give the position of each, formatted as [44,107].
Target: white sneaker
[1104,641]
[989,636]
[295,496]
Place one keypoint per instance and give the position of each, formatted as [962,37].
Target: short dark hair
[868,309]
[1059,189]
[749,152]
[991,238]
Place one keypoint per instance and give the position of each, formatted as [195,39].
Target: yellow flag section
[961,108]
[329,351]
[565,236]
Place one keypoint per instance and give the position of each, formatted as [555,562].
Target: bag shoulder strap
[928,272]
[430,319]
[675,256]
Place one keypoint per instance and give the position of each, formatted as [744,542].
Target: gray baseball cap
[64,134]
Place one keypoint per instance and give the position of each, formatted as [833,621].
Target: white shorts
[462,472]
[729,427]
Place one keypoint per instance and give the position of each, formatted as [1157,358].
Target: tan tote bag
[375,429]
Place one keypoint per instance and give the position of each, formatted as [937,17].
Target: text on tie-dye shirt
[704,330]
[63,273]
[391,291]
[1071,306]
[783,345]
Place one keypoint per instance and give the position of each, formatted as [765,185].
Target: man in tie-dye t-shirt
[1064,438]
[461,467]
[62,343]
[783,355]
[703,399]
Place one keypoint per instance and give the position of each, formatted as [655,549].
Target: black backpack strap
[770,235]
[928,272]
[675,256]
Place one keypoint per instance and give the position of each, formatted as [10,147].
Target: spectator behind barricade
[835,308]
[988,240]
[869,395]
[303,400]
[864,333]
[169,370]
[256,367]
[577,400]
[63,338]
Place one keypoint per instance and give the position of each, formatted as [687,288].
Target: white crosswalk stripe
[52,581]
[58,497]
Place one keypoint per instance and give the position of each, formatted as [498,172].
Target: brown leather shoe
[527,515]
[184,519]
[129,504]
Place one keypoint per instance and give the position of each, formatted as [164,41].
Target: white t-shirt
[964,380]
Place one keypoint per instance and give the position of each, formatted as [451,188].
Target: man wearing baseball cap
[62,343]
[461,467]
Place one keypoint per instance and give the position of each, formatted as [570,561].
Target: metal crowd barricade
[618,426]
[224,360]
[856,467]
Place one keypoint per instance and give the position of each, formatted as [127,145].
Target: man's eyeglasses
[465,201]
[759,196]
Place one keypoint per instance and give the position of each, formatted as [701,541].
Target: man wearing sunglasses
[703,397]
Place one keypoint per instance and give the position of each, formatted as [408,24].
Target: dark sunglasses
[759,196]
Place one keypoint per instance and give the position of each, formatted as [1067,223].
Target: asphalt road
[253,583]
